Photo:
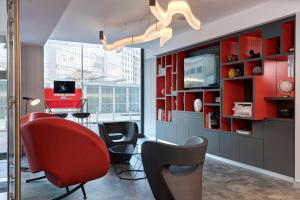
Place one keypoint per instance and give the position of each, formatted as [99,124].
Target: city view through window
[111,81]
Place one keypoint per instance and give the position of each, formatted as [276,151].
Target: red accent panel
[190,98]
[168,107]
[272,46]
[250,41]
[229,47]
[168,80]
[180,101]
[288,36]
[226,124]
[241,124]
[174,62]
[180,69]
[56,102]
[160,84]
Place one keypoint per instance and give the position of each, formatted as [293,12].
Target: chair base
[69,192]
[35,179]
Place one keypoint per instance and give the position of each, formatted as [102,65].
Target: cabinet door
[213,141]
[229,146]
[182,127]
[160,130]
[279,147]
[171,133]
[251,151]
[195,123]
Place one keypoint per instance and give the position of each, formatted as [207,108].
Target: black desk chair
[129,135]
[175,172]
[61,115]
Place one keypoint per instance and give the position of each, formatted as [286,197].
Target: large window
[111,81]
[3,96]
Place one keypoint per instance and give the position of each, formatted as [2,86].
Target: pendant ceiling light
[158,30]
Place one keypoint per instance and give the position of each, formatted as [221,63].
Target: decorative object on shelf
[162,91]
[285,87]
[212,120]
[158,30]
[291,66]
[198,105]
[257,70]
[253,54]
[286,112]
[217,99]
[235,72]
[242,109]
[292,49]
[231,73]
[232,58]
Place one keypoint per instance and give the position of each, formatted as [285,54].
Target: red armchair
[67,152]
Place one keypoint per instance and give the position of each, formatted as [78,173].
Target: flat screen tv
[201,71]
[64,88]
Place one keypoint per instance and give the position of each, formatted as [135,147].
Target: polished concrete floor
[221,181]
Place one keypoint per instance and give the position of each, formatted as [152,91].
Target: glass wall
[3,96]
[111,81]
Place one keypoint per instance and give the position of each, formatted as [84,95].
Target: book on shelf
[242,109]
[169,116]
[212,120]
[244,132]
[161,115]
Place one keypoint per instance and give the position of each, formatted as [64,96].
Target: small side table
[132,170]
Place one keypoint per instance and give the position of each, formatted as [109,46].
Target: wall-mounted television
[202,71]
[64,88]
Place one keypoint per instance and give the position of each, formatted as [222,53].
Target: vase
[197,105]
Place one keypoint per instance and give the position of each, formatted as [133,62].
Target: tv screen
[201,71]
[64,87]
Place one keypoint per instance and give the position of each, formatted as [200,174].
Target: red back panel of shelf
[228,47]
[180,70]
[288,36]
[233,92]
[252,41]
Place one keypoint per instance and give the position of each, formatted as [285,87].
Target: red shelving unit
[272,46]
[288,36]
[189,99]
[229,47]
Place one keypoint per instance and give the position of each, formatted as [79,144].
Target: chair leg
[83,192]
[35,179]
[70,192]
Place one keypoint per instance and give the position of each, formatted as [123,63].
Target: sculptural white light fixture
[159,29]
[174,7]
[153,32]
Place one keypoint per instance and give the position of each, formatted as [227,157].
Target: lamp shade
[34,102]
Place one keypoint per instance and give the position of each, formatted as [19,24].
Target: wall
[32,76]
[263,13]
[149,98]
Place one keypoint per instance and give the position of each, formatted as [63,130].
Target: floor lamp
[32,101]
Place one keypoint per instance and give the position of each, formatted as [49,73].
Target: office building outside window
[110,81]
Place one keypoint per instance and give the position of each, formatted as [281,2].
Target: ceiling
[81,20]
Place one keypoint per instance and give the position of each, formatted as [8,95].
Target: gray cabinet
[251,151]
[166,131]
[195,124]
[213,138]
[279,147]
[161,130]
[171,132]
[229,146]
[182,127]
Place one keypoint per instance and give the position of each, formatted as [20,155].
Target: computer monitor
[64,88]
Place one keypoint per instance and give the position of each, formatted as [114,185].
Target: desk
[65,103]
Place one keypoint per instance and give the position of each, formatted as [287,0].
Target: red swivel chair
[26,119]
[67,152]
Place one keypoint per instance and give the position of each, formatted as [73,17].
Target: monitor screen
[64,87]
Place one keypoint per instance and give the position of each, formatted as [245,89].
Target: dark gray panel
[229,146]
[182,127]
[161,130]
[213,141]
[251,151]
[279,147]
[258,129]
[195,123]
[171,132]
[272,30]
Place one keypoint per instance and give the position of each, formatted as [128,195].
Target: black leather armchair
[128,132]
[175,172]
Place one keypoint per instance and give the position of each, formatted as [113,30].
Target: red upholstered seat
[67,152]
[32,116]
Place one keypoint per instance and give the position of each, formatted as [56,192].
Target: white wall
[149,98]
[32,75]
[263,13]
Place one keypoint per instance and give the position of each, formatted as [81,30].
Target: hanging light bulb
[174,7]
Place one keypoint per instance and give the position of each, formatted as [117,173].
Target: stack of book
[242,109]
[212,120]
[244,132]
